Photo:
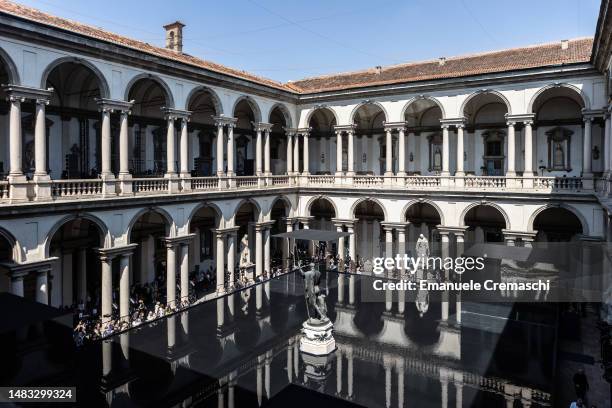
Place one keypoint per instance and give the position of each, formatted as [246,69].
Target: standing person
[581,384]
[577,404]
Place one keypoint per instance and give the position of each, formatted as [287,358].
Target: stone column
[105,157]
[230,149]
[339,372]
[124,286]
[82,273]
[586,148]
[410,141]
[388,240]
[400,381]
[220,261]
[267,151]
[444,235]
[511,149]
[15,137]
[184,148]
[184,257]
[445,151]
[289,152]
[220,142]
[17,283]
[352,244]
[349,369]
[231,256]
[389,152]
[107,287]
[306,164]
[460,150]
[401,244]
[339,228]
[40,141]
[124,162]
[351,152]
[266,239]
[401,168]
[170,147]
[528,172]
[296,155]
[339,152]
[258,159]
[42,288]
[607,143]
[388,366]
[170,273]
[258,250]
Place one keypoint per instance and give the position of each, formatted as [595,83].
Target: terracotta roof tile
[578,51]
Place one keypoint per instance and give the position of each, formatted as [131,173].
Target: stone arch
[105,237]
[206,204]
[164,86]
[356,109]
[325,108]
[284,199]
[467,209]
[284,110]
[585,99]
[252,103]
[583,221]
[420,98]
[483,92]
[258,216]
[321,197]
[372,199]
[424,201]
[15,246]
[169,221]
[213,95]
[11,68]
[104,87]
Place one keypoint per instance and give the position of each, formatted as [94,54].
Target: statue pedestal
[317,338]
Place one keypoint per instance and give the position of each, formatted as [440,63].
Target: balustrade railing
[368,181]
[422,181]
[149,185]
[247,181]
[484,182]
[76,188]
[278,180]
[558,183]
[321,180]
[204,183]
[4,190]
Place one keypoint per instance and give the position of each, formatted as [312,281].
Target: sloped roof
[537,56]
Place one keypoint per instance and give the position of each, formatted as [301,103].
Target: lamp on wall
[595,153]
[322,157]
[411,158]
[364,158]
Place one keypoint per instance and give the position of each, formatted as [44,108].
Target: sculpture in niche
[245,253]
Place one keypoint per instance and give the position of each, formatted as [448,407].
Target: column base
[587,181]
[173,182]
[108,184]
[42,189]
[125,184]
[459,174]
[401,174]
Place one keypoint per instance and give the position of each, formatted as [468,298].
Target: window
[435,152]
[493,158]
[559,140]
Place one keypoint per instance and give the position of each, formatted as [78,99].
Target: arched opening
[73,124]
[369,232]
[279,248]
[203,105]
[148,130]
[369,154]
[245,218]
[321,144]
[6,255]
[486,135]
[422,218]
[485,224]
[202,249]
[423,145]
[148,268]
[75,279]
[246,113]
[278,141]
[559,133]
[556,224]
[322,210]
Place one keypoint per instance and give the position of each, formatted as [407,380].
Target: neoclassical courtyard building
[120,161]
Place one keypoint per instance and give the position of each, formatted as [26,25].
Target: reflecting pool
[242,350]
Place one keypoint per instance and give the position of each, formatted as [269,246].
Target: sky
[294,39]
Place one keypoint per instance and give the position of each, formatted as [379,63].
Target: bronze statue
[315,300]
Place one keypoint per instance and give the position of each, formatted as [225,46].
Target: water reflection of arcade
[248,353]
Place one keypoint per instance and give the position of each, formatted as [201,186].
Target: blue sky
[286,40]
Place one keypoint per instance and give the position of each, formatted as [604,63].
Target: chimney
[441,61]
[378,69]
[174,36]
[564,44]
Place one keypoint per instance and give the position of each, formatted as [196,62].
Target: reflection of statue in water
[315,300]
[422,297]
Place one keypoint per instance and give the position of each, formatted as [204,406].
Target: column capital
[112,105]
[224,120]
[399,126]
[396,225]
[262,126]
[226,231]
[264,225]
[447,122]
[290,131]
[173,114]
[343,221]
[524,235]
[304,131]
[305,219]
[23,93]
[591,114]
[520,117]
[180,240]
[444,230]
[108,254]
[14,269]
